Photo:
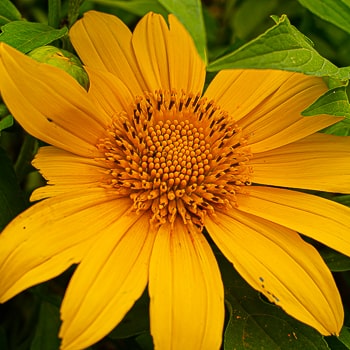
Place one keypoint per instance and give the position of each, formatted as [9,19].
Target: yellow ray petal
[279,264]
[52,235]
[240,91]
[323,220]
[109,92]
[111,277]
[278,121]
[268,104]
[186,68]
[186,292]
[59,166]
[167,57]
[66,171]
[317,162]
[296,130]
[103,42]
[49,103]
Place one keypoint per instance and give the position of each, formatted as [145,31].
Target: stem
[25,157]
[73,11]
[54,15]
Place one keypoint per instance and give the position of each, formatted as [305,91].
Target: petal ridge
[113,275]
[185,286]
[28,257]
[265,253]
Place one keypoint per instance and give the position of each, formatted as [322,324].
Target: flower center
[176,155]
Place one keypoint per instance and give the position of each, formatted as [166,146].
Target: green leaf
[136,7]
[250,16]
[4,112]
[281,47]
[190,14]
[342,199]
[336,12]
[335,344]
[46,330]
[333,102]
[334,260]
[344,336]
[8,12]
[256,324]
[11,197]
[341,128]
[6,122]
[26,36]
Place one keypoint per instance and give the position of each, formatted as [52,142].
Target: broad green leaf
[6,122]
[47,328]
[335,344]
[335,261]
[250,16]
[280,47]
[136,7]
[333,102]
[343,73]
[336,12]
[284,47]
[8,12]
[3,110]
[341,128]
[342,199]
[190,14]
[26,36]
[11,197]
[256,324]
[344,336]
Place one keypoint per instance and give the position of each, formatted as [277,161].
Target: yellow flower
[143,161]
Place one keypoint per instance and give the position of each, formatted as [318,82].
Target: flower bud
[61,59]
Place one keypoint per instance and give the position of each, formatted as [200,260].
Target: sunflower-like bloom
[144,163]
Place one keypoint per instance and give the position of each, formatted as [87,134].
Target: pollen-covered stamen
[176,155]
